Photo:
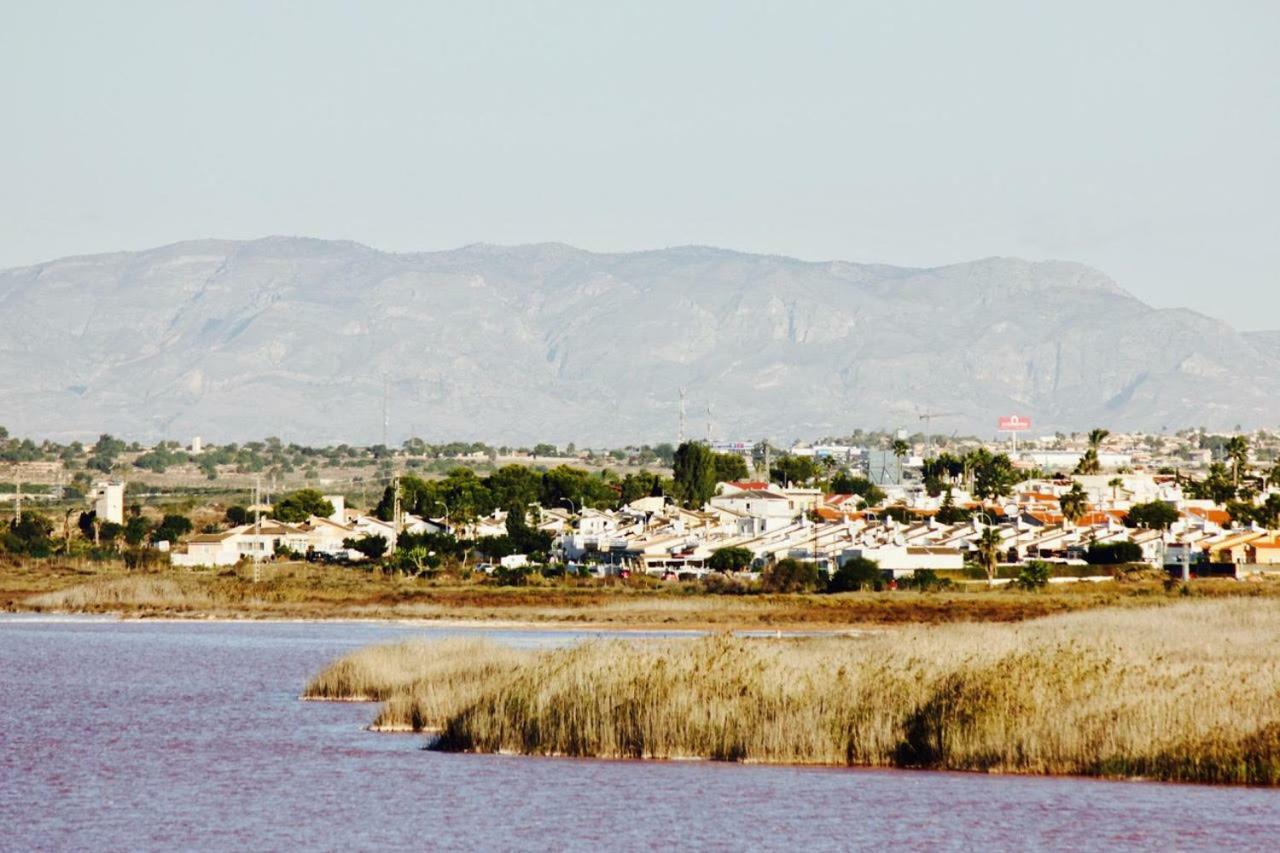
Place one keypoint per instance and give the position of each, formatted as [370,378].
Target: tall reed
[1185,692]
[423,683]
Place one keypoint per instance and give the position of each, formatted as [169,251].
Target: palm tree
[1115,483]
[1089,463]
[989,543]
[1074,503]
[1238,452]
[901,449]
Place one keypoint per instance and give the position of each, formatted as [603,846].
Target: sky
[1137,137]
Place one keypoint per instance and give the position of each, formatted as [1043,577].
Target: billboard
[1015,423]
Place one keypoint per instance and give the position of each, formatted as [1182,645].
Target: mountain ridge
[298,336]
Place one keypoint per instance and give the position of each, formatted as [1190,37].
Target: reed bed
[140,592]
[422,683]
[1187,692]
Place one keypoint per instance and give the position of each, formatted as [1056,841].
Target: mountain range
[314,340]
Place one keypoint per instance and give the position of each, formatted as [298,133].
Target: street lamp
[572,511]
[446,514]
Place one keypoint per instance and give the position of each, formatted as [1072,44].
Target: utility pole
[17,503]
[395,513]
[708,422]
[257,524]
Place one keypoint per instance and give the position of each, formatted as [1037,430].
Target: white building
[906,560]
[109,501]
[770,509]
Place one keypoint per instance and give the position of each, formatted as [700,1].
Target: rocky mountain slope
[299,338]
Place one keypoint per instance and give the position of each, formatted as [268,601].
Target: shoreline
[479,623]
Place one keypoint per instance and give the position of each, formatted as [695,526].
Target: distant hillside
[296,337]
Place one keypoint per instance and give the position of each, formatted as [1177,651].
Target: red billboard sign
[1015,423]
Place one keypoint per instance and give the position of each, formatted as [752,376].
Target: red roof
[750,485]
[1217,516]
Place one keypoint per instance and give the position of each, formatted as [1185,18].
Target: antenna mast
[386,414]
[680,434]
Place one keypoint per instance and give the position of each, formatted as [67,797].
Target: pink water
[155,736]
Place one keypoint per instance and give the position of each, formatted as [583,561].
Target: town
[870,510]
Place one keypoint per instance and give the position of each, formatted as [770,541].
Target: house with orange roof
[1213,515]
[1264,552]
[1232,548]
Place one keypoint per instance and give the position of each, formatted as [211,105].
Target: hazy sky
[1140,137]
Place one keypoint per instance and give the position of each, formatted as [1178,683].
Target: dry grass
[1189,692]
[141,591]
[303,591]
[423,683]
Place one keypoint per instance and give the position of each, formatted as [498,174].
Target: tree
[1089,463]
[1237,450]
[1273,475]
[88,524]
[993,474]
[514,485]
[1156,515]
[301,505]
[109,531]
[949,513]
[1216,486]
[639,485]
[846,484]
[1241,512]
[695,474]
[989,544]
[370,545]
[1113,553]
[564,483]
[526,539]
[386,506]
[236,516]
[1034,575]
[1074,503]
[665,453]
[171,528]
[790,575]
[731,559]
[901,449]
[793,469]
[29,537]
[730,467]
[136,530]
[854,574]
[1268,514]
[1115,483]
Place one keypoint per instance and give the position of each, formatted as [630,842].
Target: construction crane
[928,417]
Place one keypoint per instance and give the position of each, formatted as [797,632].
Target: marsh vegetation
[1187,692]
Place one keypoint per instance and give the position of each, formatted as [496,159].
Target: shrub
[371,546]
[925,580]
[790,575]
[857,573]
[716,583]
[733,559]
[1034,575]
[1113,553]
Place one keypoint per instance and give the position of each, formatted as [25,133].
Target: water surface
[162,735]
